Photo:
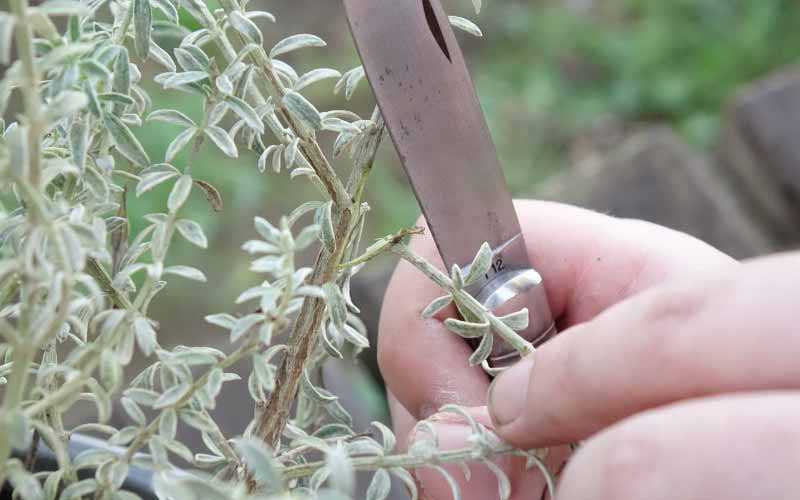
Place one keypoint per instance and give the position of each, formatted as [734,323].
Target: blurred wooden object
[759,153]
[653,175]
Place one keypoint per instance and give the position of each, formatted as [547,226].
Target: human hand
[686,391]
[589,263]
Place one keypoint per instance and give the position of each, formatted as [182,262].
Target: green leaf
[337,308]
[307,236]
[192,231]
[296,42]
[122,72]
[408,480]
[380,486]
[224,320]
[466,329]
[318,394]
[172,116]
[143,24]
[260,461]
[145,335]
[326,234]
[354,337]
[437,305]
[117,98]
[23,482]
[142,396]
[186,272]
[179,194]
[303,110]
[342,475]
[79,490]
[127,143]
[245,112]
[185,78]
[454,488]
[264,372]
[266,230]
[246,27]
[222,140]
[205,461]
[503,483]
[192,58]
[518,320]
[197,420]
[315,76]
[161,56]
[466,25]
[303,209]
[338,125]
[353,79]
[66,104]
[110,375]
[171,396]
[134,412]
[180,142]
[477,5]
[78,142]
[480,265]
[224,84]
[483,351]
[154,176]
[94,103]
[244,324]
[168,9]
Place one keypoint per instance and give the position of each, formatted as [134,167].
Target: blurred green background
[548,74]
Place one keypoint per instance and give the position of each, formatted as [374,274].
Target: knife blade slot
[435,27]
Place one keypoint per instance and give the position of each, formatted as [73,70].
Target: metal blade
[428,100]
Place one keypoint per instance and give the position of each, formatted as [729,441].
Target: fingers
[454,434]
[481,483]
[425,366]
[588,261]
[741,447]
[733,332]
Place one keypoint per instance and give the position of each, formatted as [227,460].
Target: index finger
[588,261]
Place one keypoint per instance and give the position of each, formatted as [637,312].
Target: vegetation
[77,284]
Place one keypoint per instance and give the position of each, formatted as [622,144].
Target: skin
[676,367]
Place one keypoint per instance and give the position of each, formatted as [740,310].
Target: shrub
[76,285]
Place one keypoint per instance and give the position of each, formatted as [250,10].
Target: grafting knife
[427,98]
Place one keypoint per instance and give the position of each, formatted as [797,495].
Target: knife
[428,101]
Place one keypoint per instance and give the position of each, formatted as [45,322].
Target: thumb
[509,404]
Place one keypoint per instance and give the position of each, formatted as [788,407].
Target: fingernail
[508,392]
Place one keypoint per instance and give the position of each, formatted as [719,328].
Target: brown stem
[277,409]
[308,143]
[96,271]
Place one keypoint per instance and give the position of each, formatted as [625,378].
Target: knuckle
[668,320]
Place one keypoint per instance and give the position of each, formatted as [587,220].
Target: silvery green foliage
[75,287]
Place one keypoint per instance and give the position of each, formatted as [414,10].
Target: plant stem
[276,412]
[243,350]
[30,88]
[96,271]
[428,269]
[443,281]
[375,462]
[378,250]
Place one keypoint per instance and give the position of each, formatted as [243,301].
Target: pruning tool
[423,88]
